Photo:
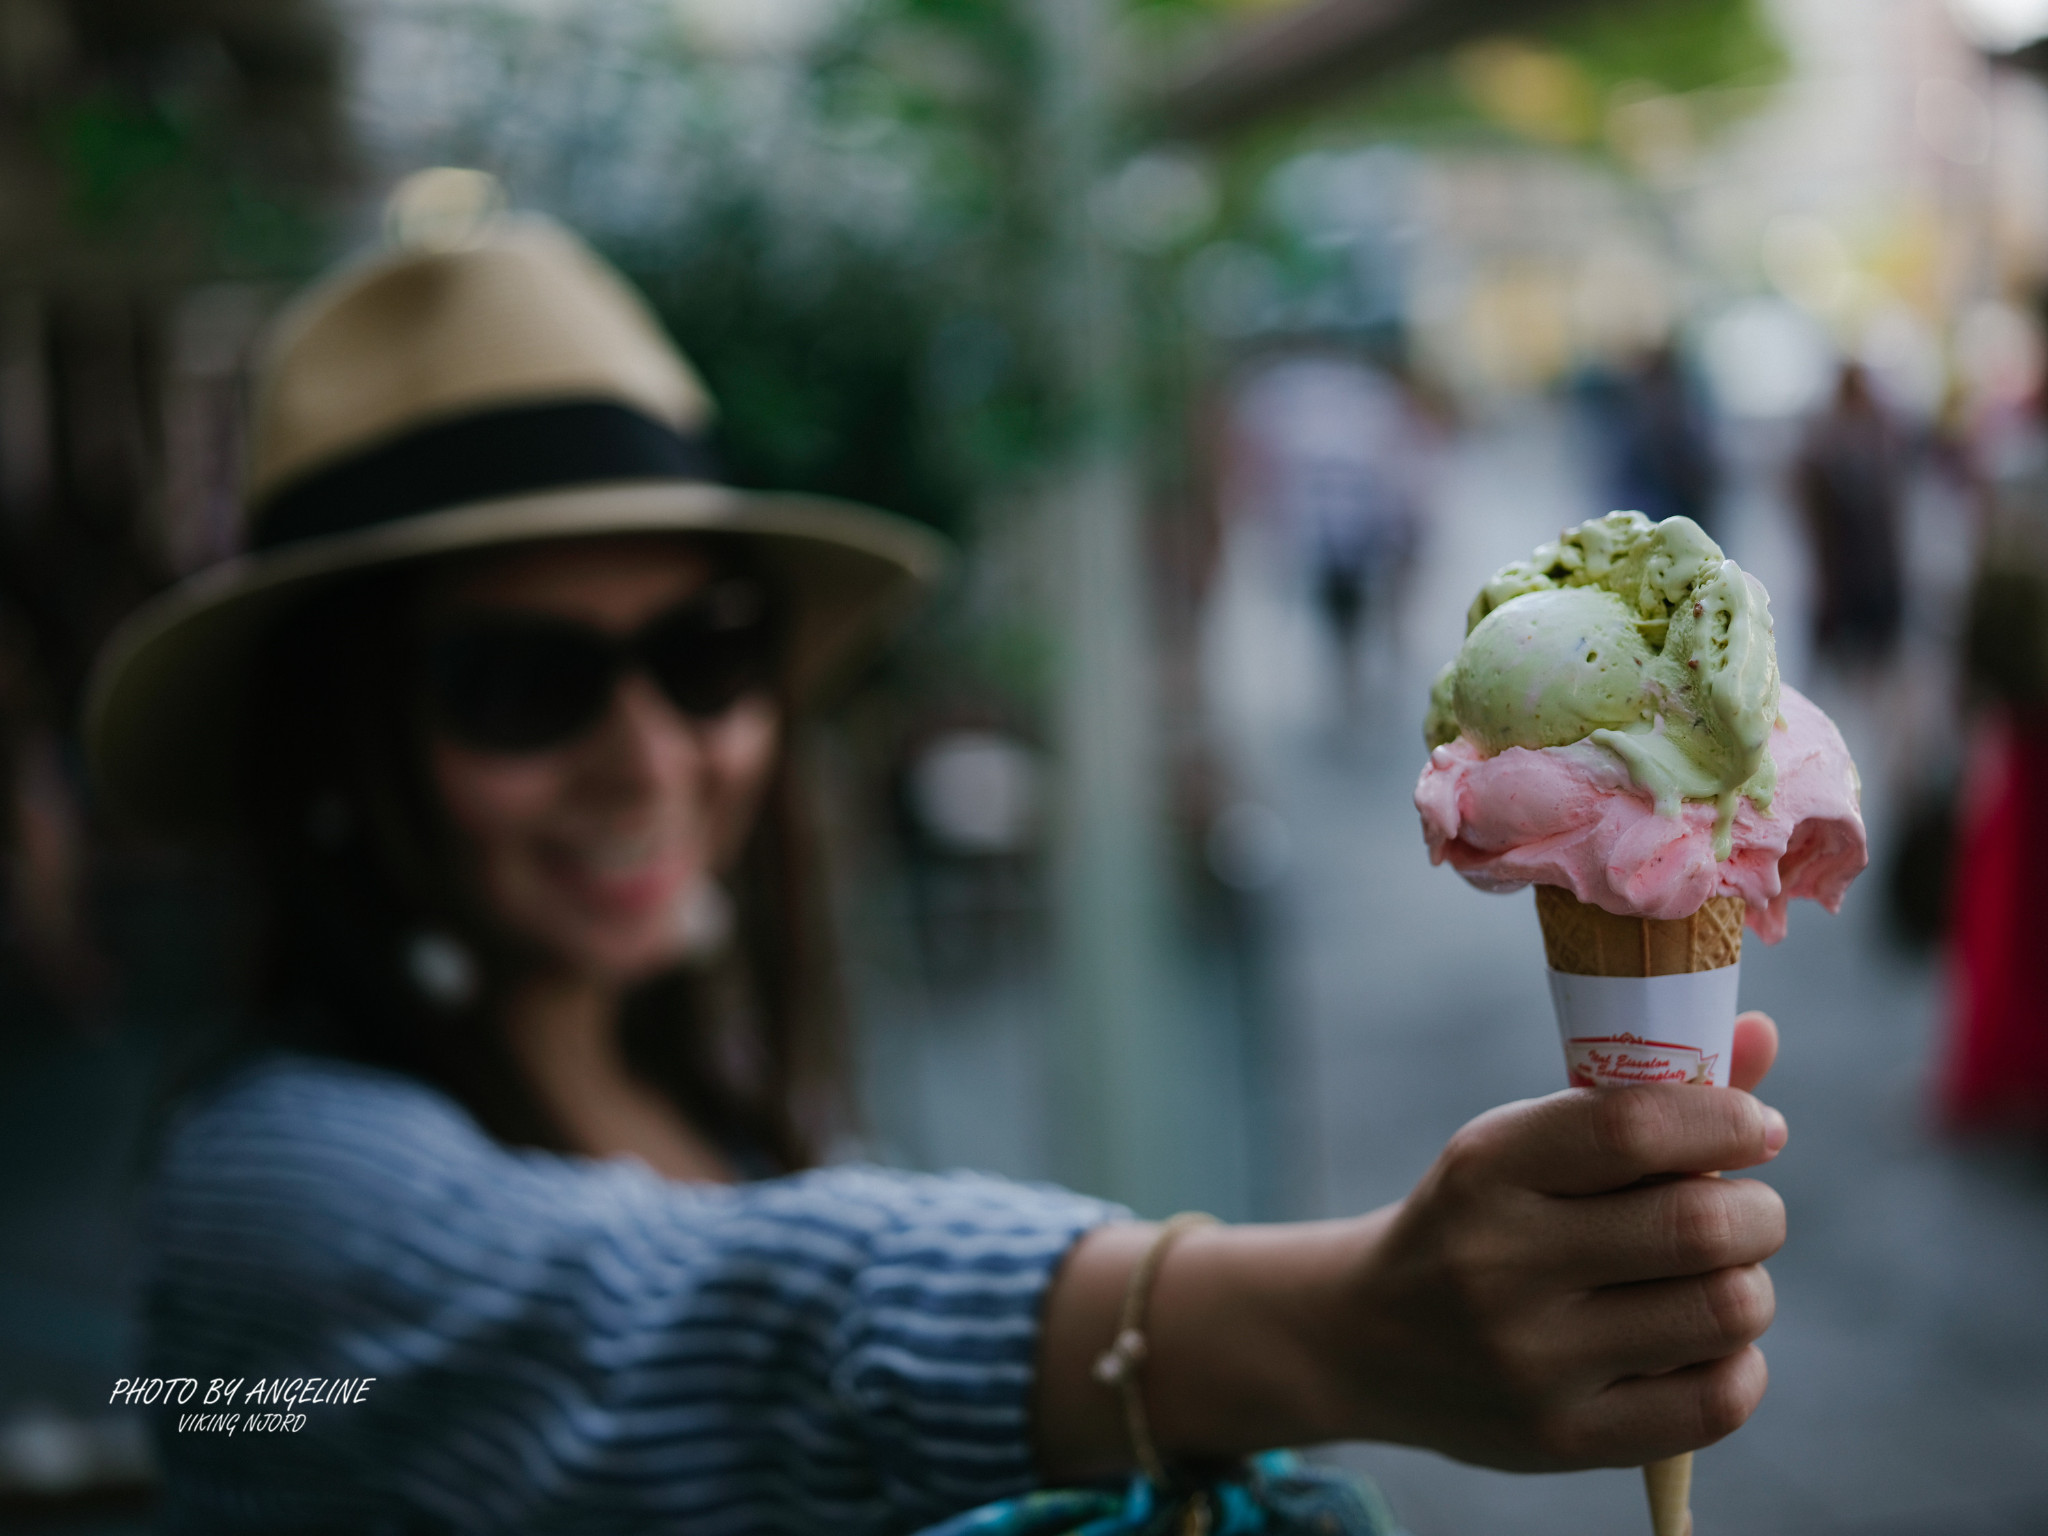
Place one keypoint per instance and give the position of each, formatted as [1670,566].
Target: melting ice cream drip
[1640,637]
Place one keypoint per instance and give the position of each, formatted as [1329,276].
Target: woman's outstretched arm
[1559,1291]
[555,1343]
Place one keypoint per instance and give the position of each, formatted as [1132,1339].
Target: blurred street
[1398,1003]
[1395,1003]
[1910,1341]
[1231,353]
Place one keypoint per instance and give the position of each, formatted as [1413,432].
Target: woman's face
[590,849]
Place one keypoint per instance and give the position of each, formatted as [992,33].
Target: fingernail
[1776,1132]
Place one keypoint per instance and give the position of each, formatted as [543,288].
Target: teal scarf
[1276,1494]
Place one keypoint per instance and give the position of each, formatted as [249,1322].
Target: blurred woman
[518,1201]
[1995,1073]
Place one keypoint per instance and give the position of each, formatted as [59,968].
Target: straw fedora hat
[499,386]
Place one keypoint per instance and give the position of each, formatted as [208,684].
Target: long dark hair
[359,878]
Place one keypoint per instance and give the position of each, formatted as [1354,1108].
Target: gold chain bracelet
[1118,1366]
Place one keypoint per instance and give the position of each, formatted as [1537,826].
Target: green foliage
[179,145]
[819,383]
[892,363]
[258,229]
[148,186]
[1423,101]
[113,152]
[1657,46]
[1674,45]
[151,187]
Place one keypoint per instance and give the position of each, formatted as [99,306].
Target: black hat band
[511,451]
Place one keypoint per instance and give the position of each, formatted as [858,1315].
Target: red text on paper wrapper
[1611,1061]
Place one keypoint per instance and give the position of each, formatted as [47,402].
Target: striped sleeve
[566,1345]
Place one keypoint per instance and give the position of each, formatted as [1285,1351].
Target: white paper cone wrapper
[1619,1030]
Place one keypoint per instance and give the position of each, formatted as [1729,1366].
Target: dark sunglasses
[511,682]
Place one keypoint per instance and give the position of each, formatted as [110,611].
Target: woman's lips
[626,880]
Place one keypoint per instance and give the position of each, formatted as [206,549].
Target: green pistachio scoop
[1638,636]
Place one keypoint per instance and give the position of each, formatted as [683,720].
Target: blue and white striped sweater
[577,1346]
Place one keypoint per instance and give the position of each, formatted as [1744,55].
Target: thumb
[1756,1047]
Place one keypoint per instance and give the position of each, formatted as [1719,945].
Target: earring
[704,921]
[441,969]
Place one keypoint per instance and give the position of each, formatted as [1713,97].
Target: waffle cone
[1586,940]
[1669,1484]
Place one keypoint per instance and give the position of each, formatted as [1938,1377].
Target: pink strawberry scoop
[1571,816]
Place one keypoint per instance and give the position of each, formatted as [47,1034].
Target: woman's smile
[622,878]
[584,852]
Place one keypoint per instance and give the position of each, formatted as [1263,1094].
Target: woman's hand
[1562,1289]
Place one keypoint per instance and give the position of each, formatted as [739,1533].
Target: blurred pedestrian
[1995,1067]
[1655,438]
[1850,483]
[522,1179]
[1331,448]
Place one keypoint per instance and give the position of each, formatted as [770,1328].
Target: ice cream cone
[1643,1000]
[1583,940]
[1632,645]
[1669,1484]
